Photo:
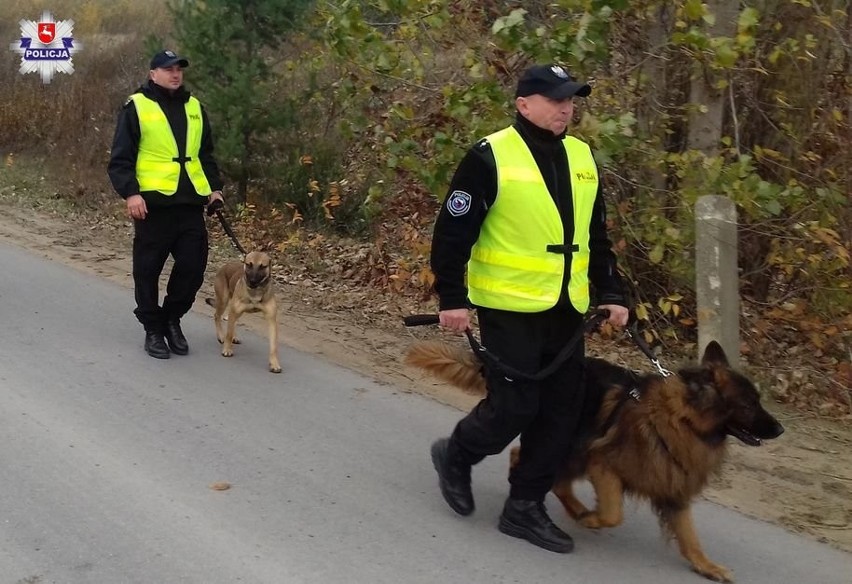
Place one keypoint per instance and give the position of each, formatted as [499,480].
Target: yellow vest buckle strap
[561,248]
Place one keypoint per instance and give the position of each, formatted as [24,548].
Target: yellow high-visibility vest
[510,267]
[157,165]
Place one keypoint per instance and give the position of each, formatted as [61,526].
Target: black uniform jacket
[455,234]
[125,146]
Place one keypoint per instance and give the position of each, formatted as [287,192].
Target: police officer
[524,219]
[162,165]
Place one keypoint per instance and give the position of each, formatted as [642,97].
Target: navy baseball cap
[550,81]
[167,59]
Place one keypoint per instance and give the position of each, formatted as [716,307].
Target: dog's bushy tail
[453,365]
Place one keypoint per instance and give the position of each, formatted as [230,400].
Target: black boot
[174,336]
[155,345]
[453,478]
[529,520]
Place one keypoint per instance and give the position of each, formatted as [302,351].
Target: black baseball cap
[550,81]
[167,59]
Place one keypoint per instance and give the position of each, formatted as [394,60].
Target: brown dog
[246,287]
[663,445]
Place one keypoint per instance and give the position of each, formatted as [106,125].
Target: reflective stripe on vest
[157,168]
[510,267]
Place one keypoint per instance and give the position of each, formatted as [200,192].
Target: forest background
[339,124]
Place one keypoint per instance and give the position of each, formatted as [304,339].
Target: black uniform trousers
[544,413]
[179,231]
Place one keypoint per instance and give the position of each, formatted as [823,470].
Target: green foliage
[779,156]
[231,47]
[408,115]
[576,35]
[385,96]
[311,193]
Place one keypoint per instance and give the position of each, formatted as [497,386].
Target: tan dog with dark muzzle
[246,287]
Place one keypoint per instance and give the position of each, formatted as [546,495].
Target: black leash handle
[215,208]
[420,319]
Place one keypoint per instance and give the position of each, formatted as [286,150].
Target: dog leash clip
[633,332]
[662,370]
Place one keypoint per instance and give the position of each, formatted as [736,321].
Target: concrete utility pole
[716,275]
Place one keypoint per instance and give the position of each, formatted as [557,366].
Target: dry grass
[70,121]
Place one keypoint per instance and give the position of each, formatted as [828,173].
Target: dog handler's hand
[617,314]
[457,319]
[214,203]
[136,207]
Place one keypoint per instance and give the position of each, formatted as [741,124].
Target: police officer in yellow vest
[162,165]
[525,221]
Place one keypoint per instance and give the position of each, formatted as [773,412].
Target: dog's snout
[767,427]
[256,277]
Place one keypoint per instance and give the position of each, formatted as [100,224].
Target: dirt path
[802,481]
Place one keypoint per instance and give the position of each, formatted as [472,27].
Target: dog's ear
[714,355]
[701,386]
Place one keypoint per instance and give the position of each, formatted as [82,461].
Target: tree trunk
[848,61]
[652,119]
[707,103]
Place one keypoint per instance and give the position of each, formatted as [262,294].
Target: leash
[633,331]
[215,208]
[489,359]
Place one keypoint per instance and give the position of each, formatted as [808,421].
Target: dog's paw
[227,353]
[575,511]
[514,457]
[590,519]
[275,368]
[713,571]
[236,341]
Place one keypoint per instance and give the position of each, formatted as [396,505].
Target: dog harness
[633,393]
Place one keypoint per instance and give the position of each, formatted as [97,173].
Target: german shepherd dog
[663,444]
[242,287]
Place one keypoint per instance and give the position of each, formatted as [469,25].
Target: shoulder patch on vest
[458,203]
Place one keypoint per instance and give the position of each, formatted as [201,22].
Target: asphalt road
[107,457]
